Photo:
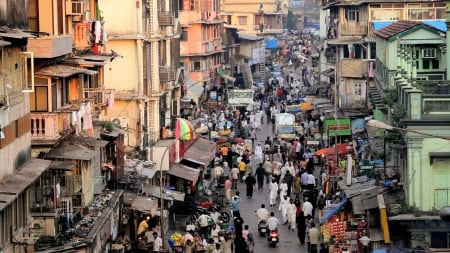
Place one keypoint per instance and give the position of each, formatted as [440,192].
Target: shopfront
[360,216]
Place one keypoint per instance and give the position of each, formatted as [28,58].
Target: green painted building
[412,93]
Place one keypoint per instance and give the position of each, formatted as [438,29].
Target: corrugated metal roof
[63,71]
[184,171]
[15,34]
[13,185]
[71,152]
[201,152]
[247,36]
[62,165]
[4,43]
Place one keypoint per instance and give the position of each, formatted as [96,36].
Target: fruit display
[177,238]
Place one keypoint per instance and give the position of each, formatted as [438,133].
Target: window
[38,99]
[184,35]
[196,66]
[242,20]
[358,89]
[352,14]
[430,64]
[429,53]
[352,51]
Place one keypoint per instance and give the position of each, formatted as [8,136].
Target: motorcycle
[272,238]
[262,227]
[224,215]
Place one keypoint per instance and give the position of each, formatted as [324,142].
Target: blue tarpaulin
[438,24]
[271,44]
[333,211]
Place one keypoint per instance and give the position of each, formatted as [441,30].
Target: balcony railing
[167,74]
[80,33]
[353,28]
[98,96]
[44,126]
[166,18]
[434,87]
[50,46]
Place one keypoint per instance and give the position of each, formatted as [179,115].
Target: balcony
[434,87]
[50,46]
[354,29]
[44,127]
[166,18]
[80,32]
[99,97]
[73,185]
[167,74]
[354,68]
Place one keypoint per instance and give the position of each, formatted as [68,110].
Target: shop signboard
[240,97]
[213,95]
[339,127]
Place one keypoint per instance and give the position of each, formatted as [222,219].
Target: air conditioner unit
[74,7]
[66,205]
[121,122]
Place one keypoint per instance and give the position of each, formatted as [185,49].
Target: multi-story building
[146,78]
[409,57]
[18,171]
[348,30]
[201,47]
[264,18]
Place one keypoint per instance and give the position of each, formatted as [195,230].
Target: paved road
[288,239]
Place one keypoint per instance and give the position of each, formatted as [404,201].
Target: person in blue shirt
[236,205]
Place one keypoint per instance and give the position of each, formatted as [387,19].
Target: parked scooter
[272,238]
[262,227]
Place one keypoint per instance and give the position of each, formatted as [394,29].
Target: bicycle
[218,197]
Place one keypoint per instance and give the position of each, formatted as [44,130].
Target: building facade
[409,55]
[264,18]
[349,48]
[146,78]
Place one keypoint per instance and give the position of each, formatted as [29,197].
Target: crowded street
[289,242]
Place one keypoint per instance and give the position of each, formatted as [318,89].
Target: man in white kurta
[283,191]
[291,213]
[258,154]
[273,192]
[284,204]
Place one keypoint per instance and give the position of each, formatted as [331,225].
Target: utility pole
[336,95]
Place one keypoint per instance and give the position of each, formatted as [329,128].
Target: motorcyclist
[272,223]
[262,213]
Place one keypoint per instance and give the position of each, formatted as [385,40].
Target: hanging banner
[240,97]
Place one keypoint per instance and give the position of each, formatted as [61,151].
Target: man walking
[260,172]
[314,238]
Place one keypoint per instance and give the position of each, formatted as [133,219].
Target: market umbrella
[342,149]
[184,130]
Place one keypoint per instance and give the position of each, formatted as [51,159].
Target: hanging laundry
[88,119]
[111,100]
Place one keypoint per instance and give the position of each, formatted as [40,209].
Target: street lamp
[445,211]
[162,191]
[382,125]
